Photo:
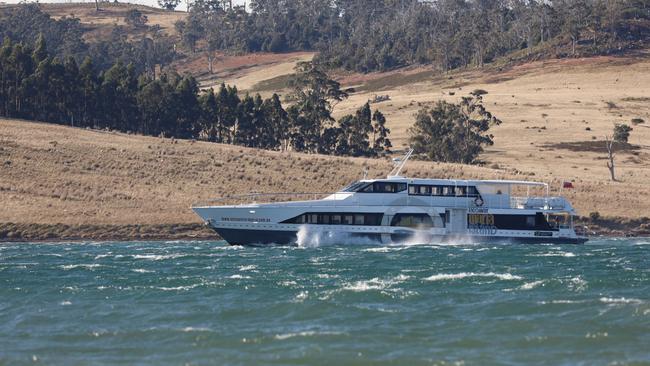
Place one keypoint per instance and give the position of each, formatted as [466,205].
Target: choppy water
[204,303]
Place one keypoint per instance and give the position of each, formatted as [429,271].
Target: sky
[182,6]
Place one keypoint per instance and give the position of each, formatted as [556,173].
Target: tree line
[369,35]
[147,47]
[36,85]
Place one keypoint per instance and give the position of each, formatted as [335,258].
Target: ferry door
[457,220]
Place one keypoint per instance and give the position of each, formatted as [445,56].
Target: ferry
[397,210]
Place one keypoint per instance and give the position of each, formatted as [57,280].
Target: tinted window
[354,187]
[325,218]
[412,220]
[384,187]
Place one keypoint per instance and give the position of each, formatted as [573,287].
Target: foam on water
[310,237]
[463,275]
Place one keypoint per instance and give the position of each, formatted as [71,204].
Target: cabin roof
[465,181]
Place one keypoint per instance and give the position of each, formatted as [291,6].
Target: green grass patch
[274,84]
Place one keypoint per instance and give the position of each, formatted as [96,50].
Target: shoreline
[29,232]
[23,232]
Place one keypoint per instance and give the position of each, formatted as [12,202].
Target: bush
[135,18]
[594,216]
[621,132]
[637,121]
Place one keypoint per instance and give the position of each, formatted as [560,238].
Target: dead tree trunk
[610,156]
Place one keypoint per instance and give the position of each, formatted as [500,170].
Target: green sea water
[207,303]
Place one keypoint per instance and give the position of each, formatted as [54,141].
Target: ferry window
[412,220]
[373,219]
[460,191]
[436,190]
[354,187]
[472,192]
[385,187]
[324,219]
[369,188]
[420,190]
[359,219]
[530,221]
[448,190]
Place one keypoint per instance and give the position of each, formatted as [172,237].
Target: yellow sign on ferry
[480,219]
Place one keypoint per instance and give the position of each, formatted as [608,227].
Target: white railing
[542,203]
[259,198]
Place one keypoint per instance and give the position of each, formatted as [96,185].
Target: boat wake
[309,237]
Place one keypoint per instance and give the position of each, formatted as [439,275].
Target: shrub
[135,18]
[594,216]
[621,132]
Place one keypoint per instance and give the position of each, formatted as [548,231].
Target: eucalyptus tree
[314,95]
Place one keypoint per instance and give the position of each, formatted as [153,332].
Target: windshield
[354,187]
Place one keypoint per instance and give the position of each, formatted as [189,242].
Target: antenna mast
[399,164]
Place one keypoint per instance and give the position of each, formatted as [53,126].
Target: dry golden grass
[243,71]
[100,23]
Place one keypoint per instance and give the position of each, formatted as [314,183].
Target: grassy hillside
[99,24]
[555,115]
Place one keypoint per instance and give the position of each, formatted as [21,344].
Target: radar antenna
[399,164]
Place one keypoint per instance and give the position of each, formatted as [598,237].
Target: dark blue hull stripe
[276,237]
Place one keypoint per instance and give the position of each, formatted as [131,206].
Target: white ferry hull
[258,225]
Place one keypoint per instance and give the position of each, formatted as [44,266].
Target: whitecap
[156,257]
[310,333]
[555,254]
[86,266]
[620,300]
[65,303]
[375,283]
[563,302]
[142,270]
[531,285]
[195,329]
[462,275]
[371,284]
[239,277]
[302,296]
[577,284]
[179,288]
[248,268]
[378,250]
